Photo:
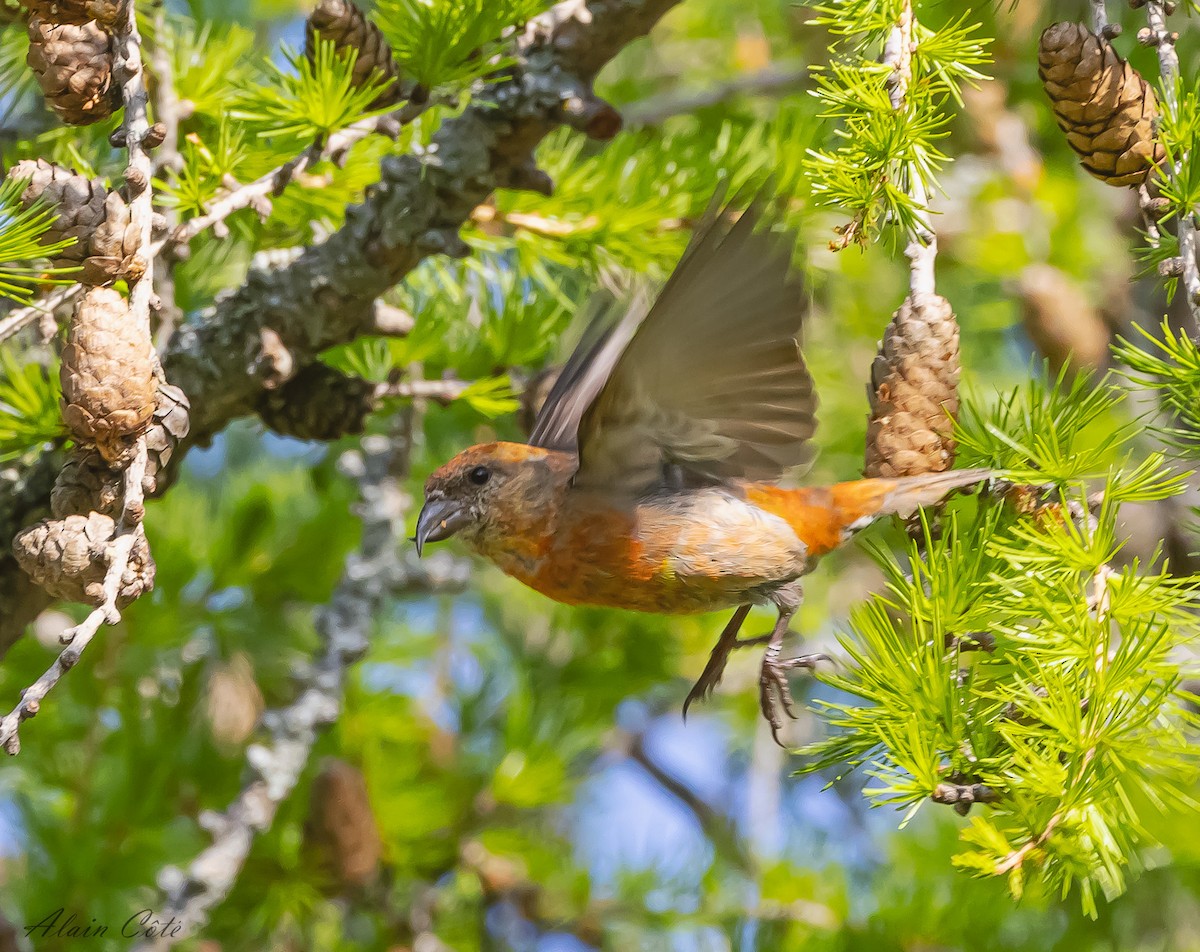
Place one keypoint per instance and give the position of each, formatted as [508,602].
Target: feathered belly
[700,552]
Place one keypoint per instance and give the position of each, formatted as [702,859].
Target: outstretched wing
[710,384]
[606,334]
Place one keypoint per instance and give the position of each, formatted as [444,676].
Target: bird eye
[480,475]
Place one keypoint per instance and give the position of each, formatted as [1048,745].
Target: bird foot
[714,670]
[774,692]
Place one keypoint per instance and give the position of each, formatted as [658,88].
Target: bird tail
[825,517]
[908,495]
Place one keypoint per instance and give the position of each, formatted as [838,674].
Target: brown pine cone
[107,376]
[914,391]
[86,484]
[69,559]
[104,12]
[341,831]
[1101,102]
[73,63]
[1061,321]
[114,247]
[348,27]
[235,702]
[105,240]
[318,403]
[169,425]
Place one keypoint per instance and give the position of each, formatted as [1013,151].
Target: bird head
[464,495]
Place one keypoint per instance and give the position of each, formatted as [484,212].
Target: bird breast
[673,553]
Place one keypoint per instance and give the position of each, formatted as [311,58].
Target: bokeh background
[516,774]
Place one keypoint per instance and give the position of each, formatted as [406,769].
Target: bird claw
[717,659]
[774,690]
[714,670]
[709,678]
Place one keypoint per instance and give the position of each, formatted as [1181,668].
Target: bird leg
[774,691]
[711,676]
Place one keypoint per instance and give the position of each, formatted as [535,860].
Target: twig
[720,831]
[371,574]
[127,65]
[1099,16]
[1014,859]
[17,320]
[493,221]
[166,156]
[166,98]
[440,391]
[921,250]
[962,796]
[275,181]
[79,637]
[774,80]
[1163,40]
[326,295]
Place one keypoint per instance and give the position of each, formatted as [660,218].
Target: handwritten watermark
[69,924]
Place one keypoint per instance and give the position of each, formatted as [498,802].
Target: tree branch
[777,79]
[921,250]
[371,575]
[275,181]
[19,318]
[719,830]
[282,317]
[1163,40]
[128,532]
[76,639]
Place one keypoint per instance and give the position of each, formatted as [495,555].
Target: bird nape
[650,480]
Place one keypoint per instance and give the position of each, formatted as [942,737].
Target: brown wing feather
[607,333]
[712,381]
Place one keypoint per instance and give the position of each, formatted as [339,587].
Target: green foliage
[21,233]
[492,727]
[884,156]
[211,62]
[206,169]
[1178,130]
[308,100]
[17,81]
[1013,653]
[29,414]
[450,42]
[1040,432]
[1171,368]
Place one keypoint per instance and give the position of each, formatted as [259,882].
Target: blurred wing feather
[712,382]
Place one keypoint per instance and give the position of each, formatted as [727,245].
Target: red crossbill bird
[650,478]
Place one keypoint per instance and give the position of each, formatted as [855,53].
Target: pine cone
[318,403]
[234,702]
[1061,321]
[348,27]
[914,382]
[1101,102]
[341,829]
[78,12]
[114,247]
[73,63]
[169,425]
[105,240]
[107,375]
[69,559]
[86,484]
[534,396]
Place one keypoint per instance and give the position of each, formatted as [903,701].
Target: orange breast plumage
[678,553]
